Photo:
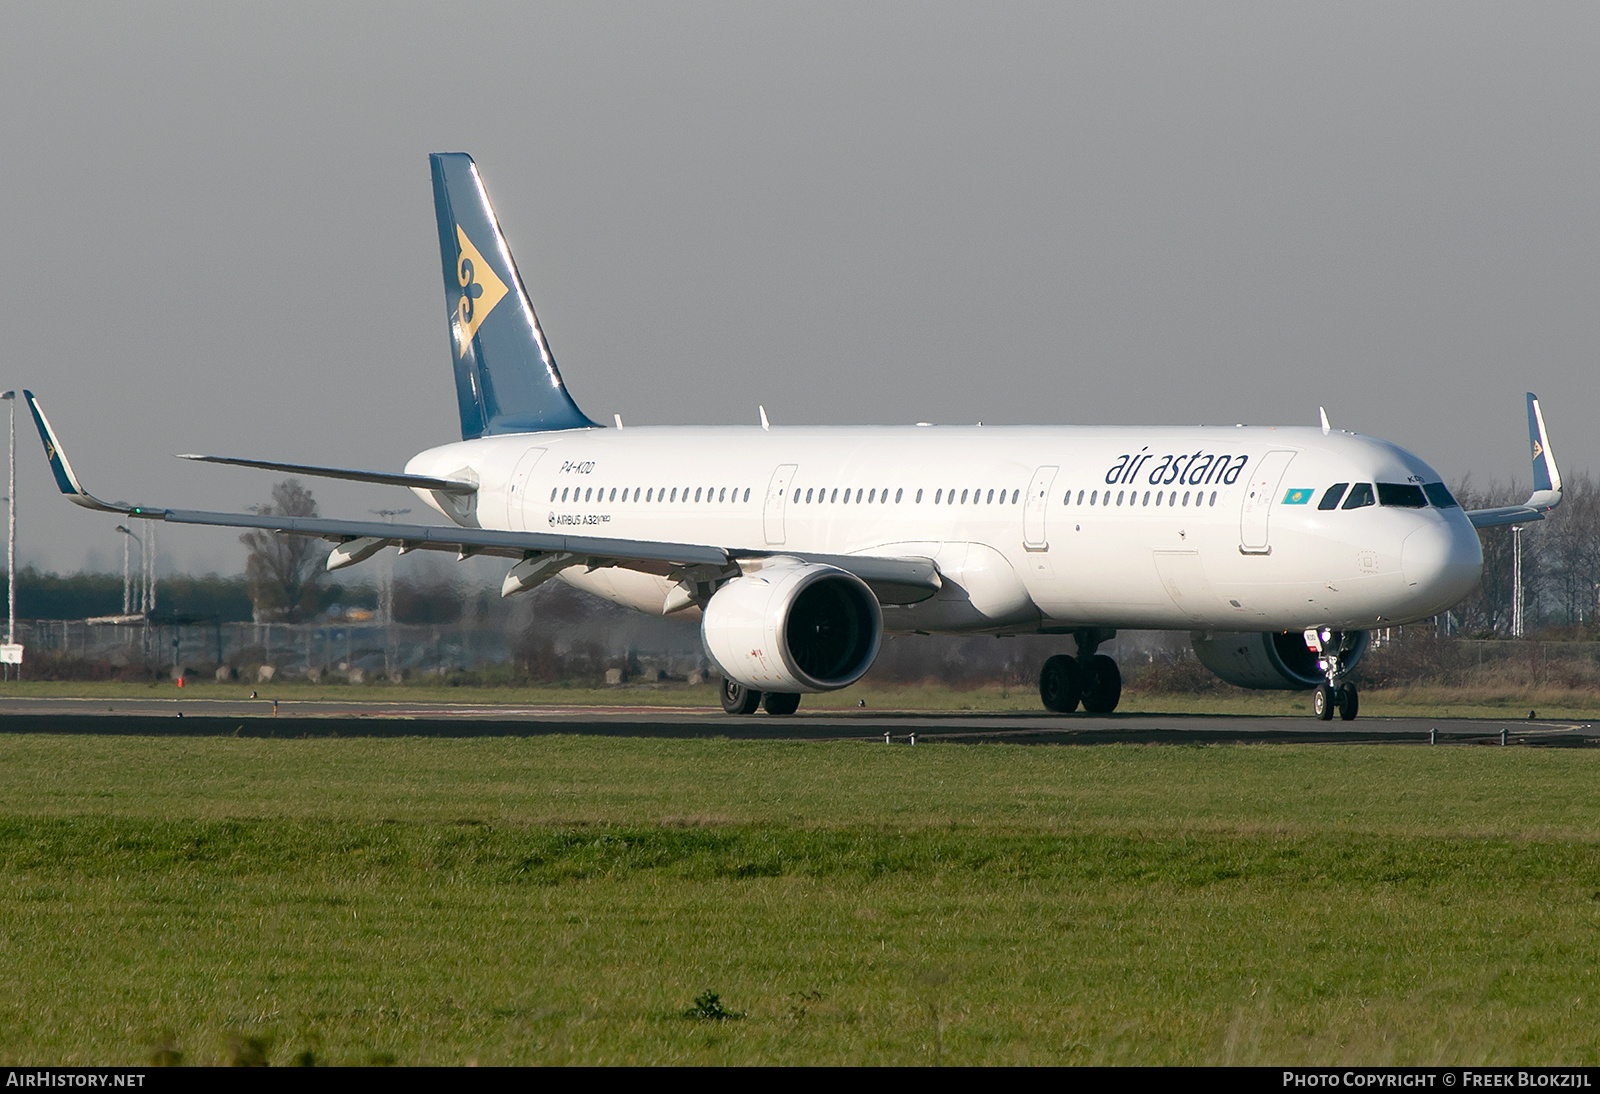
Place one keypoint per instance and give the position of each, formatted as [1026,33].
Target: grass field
[568,899]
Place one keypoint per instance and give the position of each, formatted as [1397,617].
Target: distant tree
[1487,609]
[283,572]
[1572,550]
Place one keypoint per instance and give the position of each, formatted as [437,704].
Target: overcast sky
[218,234]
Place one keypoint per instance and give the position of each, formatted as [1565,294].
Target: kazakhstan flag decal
[1298,496]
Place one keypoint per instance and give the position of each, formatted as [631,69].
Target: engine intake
[800,628]
[1273,660]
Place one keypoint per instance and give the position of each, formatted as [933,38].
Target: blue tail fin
[506,376]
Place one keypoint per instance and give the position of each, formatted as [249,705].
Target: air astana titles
[1201,468]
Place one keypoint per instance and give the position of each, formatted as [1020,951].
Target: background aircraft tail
[506,376]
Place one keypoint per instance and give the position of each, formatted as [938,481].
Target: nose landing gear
[1091,678]
[1334,693]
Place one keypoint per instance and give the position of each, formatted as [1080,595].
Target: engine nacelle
[1271,660]
[801,628]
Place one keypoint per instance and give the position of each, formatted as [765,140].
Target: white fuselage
[1033,528]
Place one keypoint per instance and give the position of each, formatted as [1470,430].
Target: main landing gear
[738,699]
[1091,678]
[1334,693]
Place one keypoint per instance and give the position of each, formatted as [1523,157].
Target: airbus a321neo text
[798,549]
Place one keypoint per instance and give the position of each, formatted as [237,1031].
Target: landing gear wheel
[780,702]
[738,699]
[1322,702]
[1349,702]
[1101,684]
[1058,684]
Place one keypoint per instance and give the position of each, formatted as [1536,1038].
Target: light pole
[386,594]
[1516,581]
[127,581]
[11,535]
[386,574]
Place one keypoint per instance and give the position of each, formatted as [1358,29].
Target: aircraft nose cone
[1441,563]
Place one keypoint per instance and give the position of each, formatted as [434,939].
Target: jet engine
[1274,659]
[800,628]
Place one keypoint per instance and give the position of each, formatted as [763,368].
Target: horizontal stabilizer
[384,478]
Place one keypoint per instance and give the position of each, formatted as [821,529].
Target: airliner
[799,549]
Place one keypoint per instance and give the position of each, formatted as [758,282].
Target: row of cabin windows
[863,496]
[1095,497]
[598,493]
[1403,495]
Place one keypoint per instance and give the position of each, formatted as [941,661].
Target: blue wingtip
[52,450]
[1538,445]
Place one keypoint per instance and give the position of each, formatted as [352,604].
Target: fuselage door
[1033,508]
[777,496]
[1259,494]
[517,490]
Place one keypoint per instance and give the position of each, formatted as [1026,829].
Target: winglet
[1323,414]
[1546,480]
[65,478]
[1546,476]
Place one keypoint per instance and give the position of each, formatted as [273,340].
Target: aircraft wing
[894,580]
[1546,480]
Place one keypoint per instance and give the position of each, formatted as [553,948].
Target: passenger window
[808,497]
[1094,496]
[696,493]
[1405,495]
[1439,495]
[938,497]
[859,493]
[1146,498]
[650,494]
[1080,498]
[674,496]
[722,495]
[1068,499]
[991,498]
[1186,497]
[919,497]
[564,493]
[1213,497]
[834,497]
[872,496]
[899,492]
[552,493]
[1119,497]
[747,493]
[1330,498]
[613,494]
[1360,496]
[587,494]
[963,497]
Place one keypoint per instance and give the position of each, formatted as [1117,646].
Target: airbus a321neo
[1278,549]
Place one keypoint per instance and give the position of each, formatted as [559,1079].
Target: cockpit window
[1360,495]
[1406,495]
[1439,495]
[1330,500]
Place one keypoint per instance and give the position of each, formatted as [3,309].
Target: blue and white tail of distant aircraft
[799,548]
